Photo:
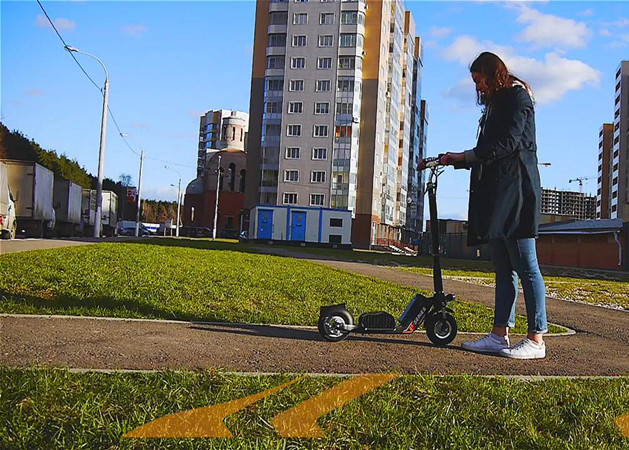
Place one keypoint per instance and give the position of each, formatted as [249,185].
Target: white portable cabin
[300,224]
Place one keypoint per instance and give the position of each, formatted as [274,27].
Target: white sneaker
[488,344]
[525,349]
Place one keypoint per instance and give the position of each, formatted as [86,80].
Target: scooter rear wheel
[329,326]
[441,330]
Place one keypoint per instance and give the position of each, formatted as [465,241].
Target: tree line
[15,145]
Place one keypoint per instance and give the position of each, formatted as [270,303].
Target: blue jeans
[515,258]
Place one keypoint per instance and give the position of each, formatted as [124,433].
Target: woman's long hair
[496,74]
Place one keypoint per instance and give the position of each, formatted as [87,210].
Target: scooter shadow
[301,334]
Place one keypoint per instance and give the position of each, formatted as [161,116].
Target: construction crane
[580,180]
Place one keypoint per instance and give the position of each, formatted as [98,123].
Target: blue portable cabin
[301,225]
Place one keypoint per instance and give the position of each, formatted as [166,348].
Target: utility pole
[137,215]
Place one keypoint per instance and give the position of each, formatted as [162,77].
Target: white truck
[109,212]
[8,222]
[67,198]
[32,187]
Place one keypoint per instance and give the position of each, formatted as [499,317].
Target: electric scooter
[336,323]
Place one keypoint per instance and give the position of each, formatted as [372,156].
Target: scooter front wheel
[331,326]
[441,330]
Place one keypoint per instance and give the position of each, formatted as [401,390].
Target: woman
[504,204]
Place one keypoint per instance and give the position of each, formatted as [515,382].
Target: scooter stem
[431,187]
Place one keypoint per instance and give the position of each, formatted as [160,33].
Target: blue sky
[169,62]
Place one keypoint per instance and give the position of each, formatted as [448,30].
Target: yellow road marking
[623,424]
[301,420]
[206,422]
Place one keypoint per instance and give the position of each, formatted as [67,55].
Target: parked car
[196,232]
[130,231]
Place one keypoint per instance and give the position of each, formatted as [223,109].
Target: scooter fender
[331,309]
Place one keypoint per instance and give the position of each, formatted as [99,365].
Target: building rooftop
[585,226]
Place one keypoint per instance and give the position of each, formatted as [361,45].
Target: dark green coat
[505,191]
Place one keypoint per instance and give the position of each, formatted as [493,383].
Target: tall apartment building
[567,203]
[315,139]
[620,155]
[220,129]
[605,151]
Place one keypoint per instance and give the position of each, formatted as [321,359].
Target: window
[344,108]
[343,132]
[319,153]
[317,199]
[278,18]
[277,40]
[347,62]
[294,130]
[322,108]
[322,85]
[290,198]
[300,19]
[275,62]
[349,17]
[295,107]
[324,63]
[326,18]
[345,85]
[273,107]
[291,176]
[347,40]
[320,131]
[335,239]
[326,40]
[292,152]
[296,85]
[298,63]
[299,41]
[337,223]
[274,84]
[317,176]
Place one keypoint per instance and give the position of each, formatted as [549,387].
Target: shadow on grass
[91,306]
[301,334]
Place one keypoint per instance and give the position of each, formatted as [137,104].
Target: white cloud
[550,79]
[165,193]
[466,48]
[439,32]
[61,24]
[586,13]
[35,93]
[605,32]
[546,30]
[140,125]
[463,92]
[195,113]
[620,23]
[134,30]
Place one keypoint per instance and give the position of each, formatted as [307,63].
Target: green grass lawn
[43,408]
[587,286]
[603,292]
[197,280]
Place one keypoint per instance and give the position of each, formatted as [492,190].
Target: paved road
[599,347]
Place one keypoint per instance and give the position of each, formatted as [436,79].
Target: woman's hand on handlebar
[452,158]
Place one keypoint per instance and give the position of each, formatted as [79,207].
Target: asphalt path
[600,345]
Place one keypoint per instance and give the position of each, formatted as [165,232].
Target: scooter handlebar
[428,163]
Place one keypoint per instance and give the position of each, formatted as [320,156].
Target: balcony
[277,28]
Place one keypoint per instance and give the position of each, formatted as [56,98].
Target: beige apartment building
[333,94]
[605,151]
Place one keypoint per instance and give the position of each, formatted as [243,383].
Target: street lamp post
[101,152]
[218,179]
[178,198]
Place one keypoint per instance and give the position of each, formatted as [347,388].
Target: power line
[113,118]
[65,45]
